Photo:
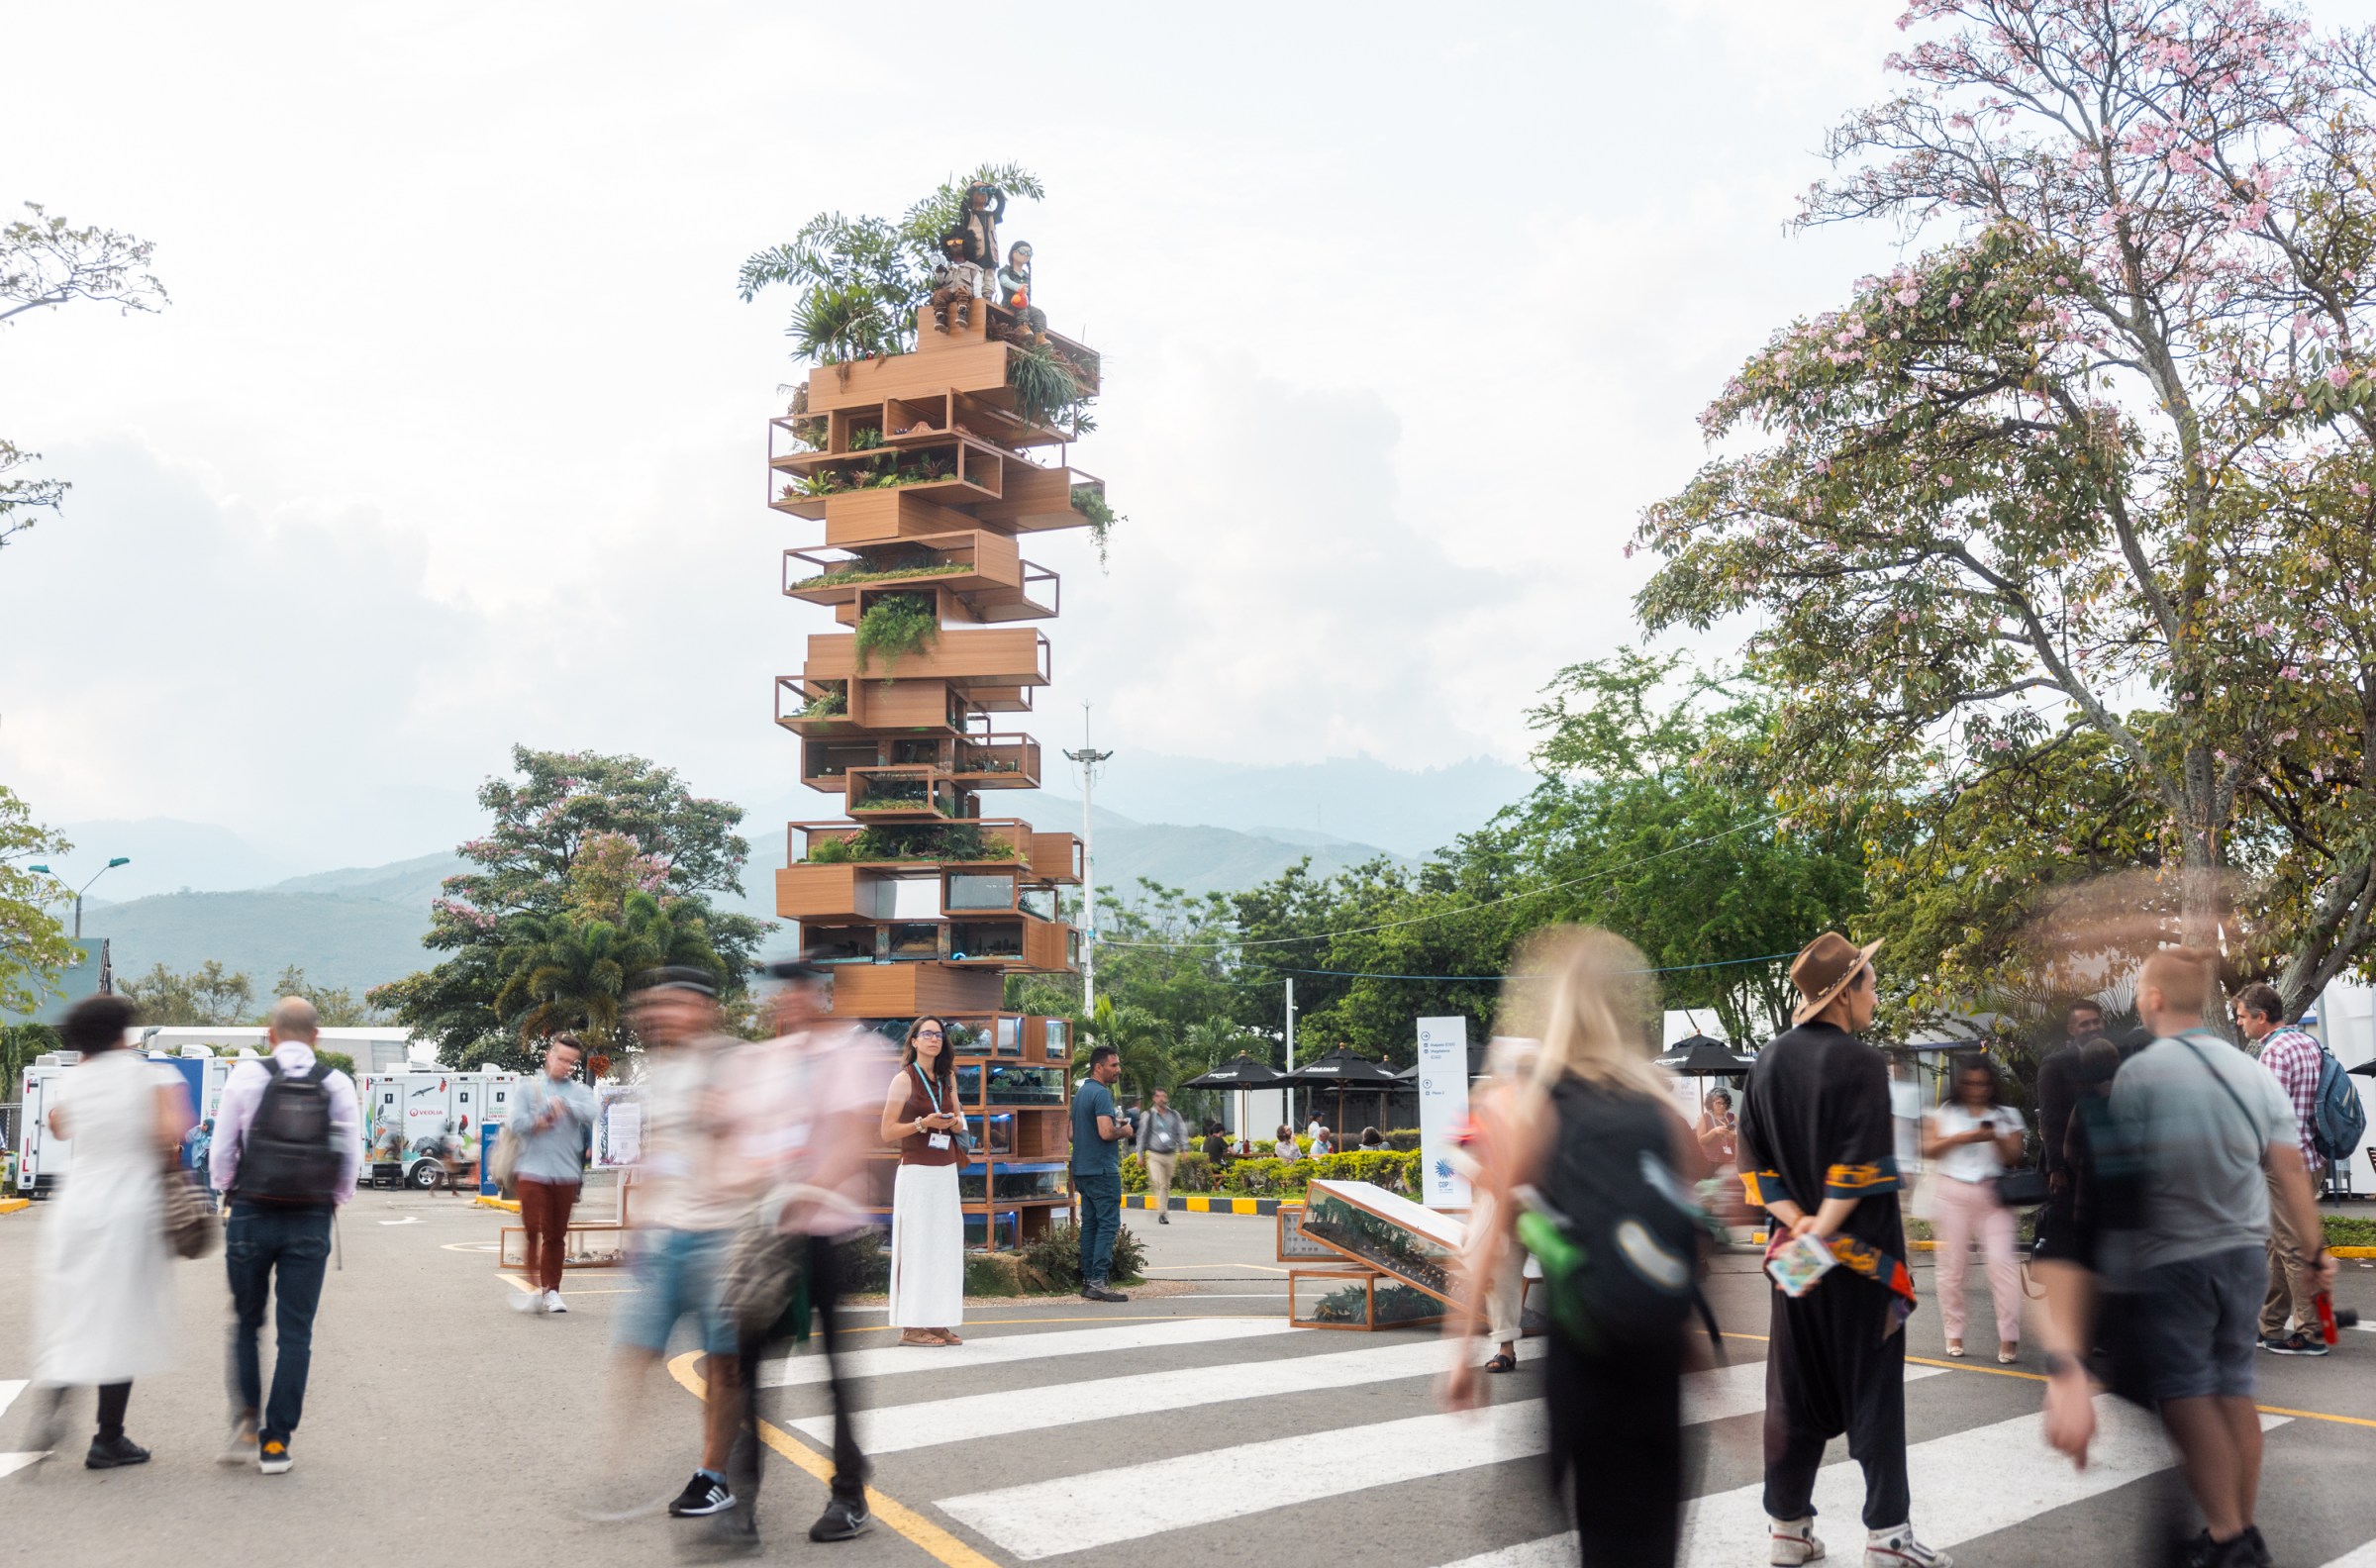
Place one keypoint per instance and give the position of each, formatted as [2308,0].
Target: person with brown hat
[1816,1127]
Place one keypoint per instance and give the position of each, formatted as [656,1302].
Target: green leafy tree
[571,971]
[19,1043]
[336,1006]
[46,262]
[34,945]
[207,997]
[578,838]
[2116,436]
[860,280]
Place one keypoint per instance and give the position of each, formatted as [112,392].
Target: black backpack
[1619,1236]
[290,1153]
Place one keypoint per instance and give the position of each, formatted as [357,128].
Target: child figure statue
[956,280]
[1015,293]
[985,205]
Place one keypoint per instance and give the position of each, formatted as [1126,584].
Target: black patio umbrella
[1341,1070]
[1697,1056]
[1241,1072]
[2366,1069]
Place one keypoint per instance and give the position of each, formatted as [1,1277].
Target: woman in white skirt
[103,1306]
[928,1228]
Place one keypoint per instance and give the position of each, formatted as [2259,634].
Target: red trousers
[545,1209]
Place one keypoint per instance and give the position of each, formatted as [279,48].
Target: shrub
[868,1260]
[1053,1261]
[1396,1171]
[897,624]
[1402,1139]
[1134,1174]
[2349,1231]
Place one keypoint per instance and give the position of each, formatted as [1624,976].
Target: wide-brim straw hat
[1826,967]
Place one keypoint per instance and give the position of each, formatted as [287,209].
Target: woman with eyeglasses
[927,1227]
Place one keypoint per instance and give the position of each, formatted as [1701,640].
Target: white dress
[928,1248]
[103,1304]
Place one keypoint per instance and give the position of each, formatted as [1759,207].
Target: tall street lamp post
[85,888]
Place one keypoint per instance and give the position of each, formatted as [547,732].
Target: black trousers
[1617,1445]
[827,1276]
[1836,1363]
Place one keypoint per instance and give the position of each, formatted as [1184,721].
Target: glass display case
[1355,1298]
[1382,1230]
[1020,1084]
[1012,1183]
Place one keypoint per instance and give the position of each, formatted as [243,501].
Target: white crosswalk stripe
[9,1463]
[1005,1350]
[2356,1557]
[1070,1514]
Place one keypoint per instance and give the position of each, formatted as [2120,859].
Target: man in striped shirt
[2292,1057]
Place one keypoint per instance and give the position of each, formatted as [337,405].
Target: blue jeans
[259,1240]
[1101,1217]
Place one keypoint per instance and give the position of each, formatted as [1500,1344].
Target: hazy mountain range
[194,891]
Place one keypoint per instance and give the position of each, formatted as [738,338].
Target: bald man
[288,1142]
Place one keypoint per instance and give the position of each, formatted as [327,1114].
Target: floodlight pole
[1290,1046]
[85,888]
[1088,760]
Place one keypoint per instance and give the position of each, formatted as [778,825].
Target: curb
[506,1205]
[1204,1203]
[12,1205]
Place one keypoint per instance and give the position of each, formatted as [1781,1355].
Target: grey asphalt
[442,1425]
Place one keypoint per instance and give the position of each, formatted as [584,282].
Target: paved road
[1194,1426]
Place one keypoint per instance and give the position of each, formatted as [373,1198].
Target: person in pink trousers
[1973,1140]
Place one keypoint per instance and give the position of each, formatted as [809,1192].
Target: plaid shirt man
[2292,1055]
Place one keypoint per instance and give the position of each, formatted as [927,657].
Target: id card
[938,1141]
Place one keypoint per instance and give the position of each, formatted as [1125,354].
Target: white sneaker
[553,1302]
[1897,1548]
[1793,1542]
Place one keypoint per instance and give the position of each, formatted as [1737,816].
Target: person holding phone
[1974,1139]
[928,1226]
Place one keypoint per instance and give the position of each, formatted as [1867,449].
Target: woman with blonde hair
[927,1224]
[1586,1131]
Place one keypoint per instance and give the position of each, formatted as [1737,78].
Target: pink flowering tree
[2094,464]
[579,840]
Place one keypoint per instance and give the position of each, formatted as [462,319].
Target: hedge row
[1274,1178]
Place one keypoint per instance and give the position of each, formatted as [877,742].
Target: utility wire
[1369,974]
[1471,909]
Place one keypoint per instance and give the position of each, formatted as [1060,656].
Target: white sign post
[1442,1107]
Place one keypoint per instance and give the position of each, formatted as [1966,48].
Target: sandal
[918,1336]
[1503,1361]
[948,1337]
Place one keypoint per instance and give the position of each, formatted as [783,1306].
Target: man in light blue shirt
[550,1122]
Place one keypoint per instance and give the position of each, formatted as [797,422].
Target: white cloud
[1405,314]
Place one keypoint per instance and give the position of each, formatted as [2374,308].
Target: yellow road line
[937,1542]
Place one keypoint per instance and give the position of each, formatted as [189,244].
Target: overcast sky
[454,434]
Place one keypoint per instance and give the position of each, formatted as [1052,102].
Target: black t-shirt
[1815,1123]
[2056,1093]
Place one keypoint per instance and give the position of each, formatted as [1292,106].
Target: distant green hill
[362,926]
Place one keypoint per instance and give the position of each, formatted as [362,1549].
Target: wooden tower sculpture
[923,467]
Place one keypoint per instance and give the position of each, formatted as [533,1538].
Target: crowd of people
[2177,1235]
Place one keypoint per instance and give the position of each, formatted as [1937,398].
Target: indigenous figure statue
[985,205]
[1015,293]
[956,280]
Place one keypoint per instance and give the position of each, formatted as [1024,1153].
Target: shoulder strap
[2235,1099]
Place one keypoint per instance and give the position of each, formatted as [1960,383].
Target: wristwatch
[2058,1363]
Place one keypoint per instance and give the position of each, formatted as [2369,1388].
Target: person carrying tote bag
[1973,1140]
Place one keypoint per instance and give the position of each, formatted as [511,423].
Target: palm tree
[571,971]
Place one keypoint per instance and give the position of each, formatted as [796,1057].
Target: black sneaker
[2296,1343]
[843,1518]
[109,1452]
[1098,1293]
[2204,1552]
[2255,1549]
[701,1498]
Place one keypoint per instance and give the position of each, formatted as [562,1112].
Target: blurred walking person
[1099,1129]
[288,1142]
[2155,1284]
[2293,1057]
[1499,1266]
[1587,1157]
[921,1117]
[1162,1134]
[692,1186]
[1818,1154]
[2062,1079]
[103,1298]
[815,1085]
[1975,1137]
[551,1120]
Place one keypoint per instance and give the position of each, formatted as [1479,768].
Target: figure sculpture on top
[1015,293]
[985,205]
[956,280]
